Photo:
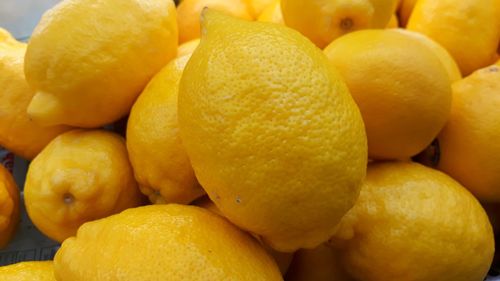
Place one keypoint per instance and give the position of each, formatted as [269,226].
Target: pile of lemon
[282,145]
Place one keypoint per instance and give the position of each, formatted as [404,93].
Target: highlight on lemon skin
[80,176]
[324,21]
[88,79]
[239,177]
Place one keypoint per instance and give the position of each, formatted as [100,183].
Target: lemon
[189,11]
[393,22]
[318,264]
[405,9]
[323,21]
[446,59]
[18,133]
[271,131]
[160,163]
[414,223]
[469,148]
[272,13]
[28,271]
[187,48]
[404,105]
[88,61]
[257,7]
[460,26]
[194,244]
[283,260]
[80,176]
[9,206]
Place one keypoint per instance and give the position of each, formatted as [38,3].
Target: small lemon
[271,131]
[28,271]
[272,13]
[9,206]
[163,242]
[89,60]
[468,145]
[404,105]
[18,133]
[160,163]
[188,47]
[323,21]
[415,223]
[189,11]
[468,29]
[80,176]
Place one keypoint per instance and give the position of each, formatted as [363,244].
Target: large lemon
[89,60]
[163,242]
[272,133]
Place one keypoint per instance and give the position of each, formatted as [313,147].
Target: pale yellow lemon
[188,47]
[468,29]
[9,206]
[271,131]
[469,150]
[323,21]
[28,271]
[161,166]
[180,243]
[89,60]
[404,105]
[80,176]
[415,223]
[18,132]
[189,13]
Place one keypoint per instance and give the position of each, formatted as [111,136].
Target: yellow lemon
[405,9]
[468,145]
[160,163]
[194,244]
[319,264]
[393,22]
[282,259]
[28,271]
[18,133]
[88,61]
[272,13]
[9,206]
[188,47]
[404,105]
[468,29]
[271,131]
[446,59]
[323,21]
[189,11]
[257,7]
[80,176]
[415,223]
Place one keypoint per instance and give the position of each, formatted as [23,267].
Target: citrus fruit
[404,105]
[323,21]
[9,206]
[194,244]
[28,271]
[272,13]
[188,47]
[425,223]
[469,150]
[257,7]
[449,63]
[18,133]
[460,27]
[276,142]
[160,163]
[80,176]
[319,264]
[189,12]
[393,22]
[405,9]
[88,61]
